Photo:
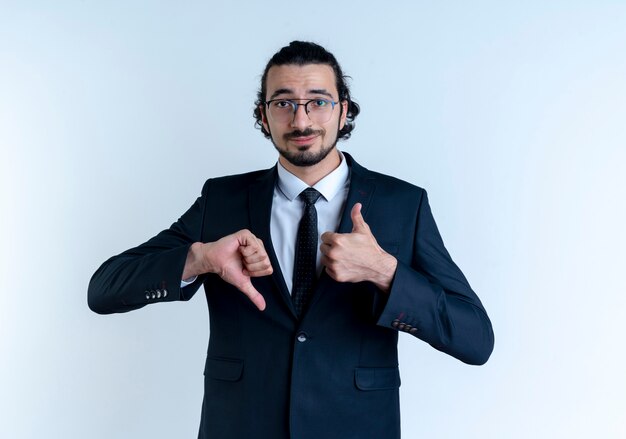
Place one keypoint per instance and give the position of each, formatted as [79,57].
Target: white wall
[511,114]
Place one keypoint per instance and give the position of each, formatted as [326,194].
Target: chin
[304,157]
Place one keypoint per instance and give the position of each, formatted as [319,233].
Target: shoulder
[385,183]
[394,183]
[236,182]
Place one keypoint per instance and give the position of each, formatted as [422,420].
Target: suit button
[164,292]
[413,331]
[395,323]
[153,294]
[401,326]
[302,337]
[148,295]
[408,327]
[158,293]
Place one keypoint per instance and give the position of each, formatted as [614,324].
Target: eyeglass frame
[295,105]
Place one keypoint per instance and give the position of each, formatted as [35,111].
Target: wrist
[386,272]
[197,263]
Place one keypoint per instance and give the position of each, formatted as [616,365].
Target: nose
[300,118]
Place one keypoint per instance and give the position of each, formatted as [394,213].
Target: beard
[304,157]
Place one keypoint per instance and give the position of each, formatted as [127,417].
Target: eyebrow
[317,91]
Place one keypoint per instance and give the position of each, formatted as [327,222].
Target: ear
[264,118]
[344,114]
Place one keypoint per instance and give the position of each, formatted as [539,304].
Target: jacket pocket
[224,369]
[377,378]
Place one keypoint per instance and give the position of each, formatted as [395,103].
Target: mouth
[303,138]
[302,141]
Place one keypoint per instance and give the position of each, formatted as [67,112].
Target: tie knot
[310,196]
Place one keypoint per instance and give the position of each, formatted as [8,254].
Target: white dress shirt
[288,208]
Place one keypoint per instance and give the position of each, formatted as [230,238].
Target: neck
[312,174]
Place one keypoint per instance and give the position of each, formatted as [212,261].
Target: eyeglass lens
[318,110]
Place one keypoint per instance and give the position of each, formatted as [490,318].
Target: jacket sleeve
[431,299]
[151,272]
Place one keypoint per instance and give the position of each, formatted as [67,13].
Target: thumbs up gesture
[356,256]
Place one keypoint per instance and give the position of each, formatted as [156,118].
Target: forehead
[300,81]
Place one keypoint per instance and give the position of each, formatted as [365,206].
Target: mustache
[306,133]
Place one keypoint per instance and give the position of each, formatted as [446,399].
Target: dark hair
[301,53]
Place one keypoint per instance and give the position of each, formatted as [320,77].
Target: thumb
[248,289]
[358,223]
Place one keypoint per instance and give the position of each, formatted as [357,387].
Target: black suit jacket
[334,373]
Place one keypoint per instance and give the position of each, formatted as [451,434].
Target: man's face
[299,140]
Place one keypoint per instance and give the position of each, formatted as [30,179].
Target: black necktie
[306,252]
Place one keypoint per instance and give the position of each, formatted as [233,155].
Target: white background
[511,114]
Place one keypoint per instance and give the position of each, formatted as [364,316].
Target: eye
[319,103]
[282,105]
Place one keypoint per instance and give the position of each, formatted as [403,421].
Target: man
[303,343]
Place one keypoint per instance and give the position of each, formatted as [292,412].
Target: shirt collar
[329,186]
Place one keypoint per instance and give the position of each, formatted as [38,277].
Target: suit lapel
[361,191]
[260,197]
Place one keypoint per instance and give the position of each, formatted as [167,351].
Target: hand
[356,256]
[235,258]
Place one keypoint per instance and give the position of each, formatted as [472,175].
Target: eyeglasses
[284,110]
